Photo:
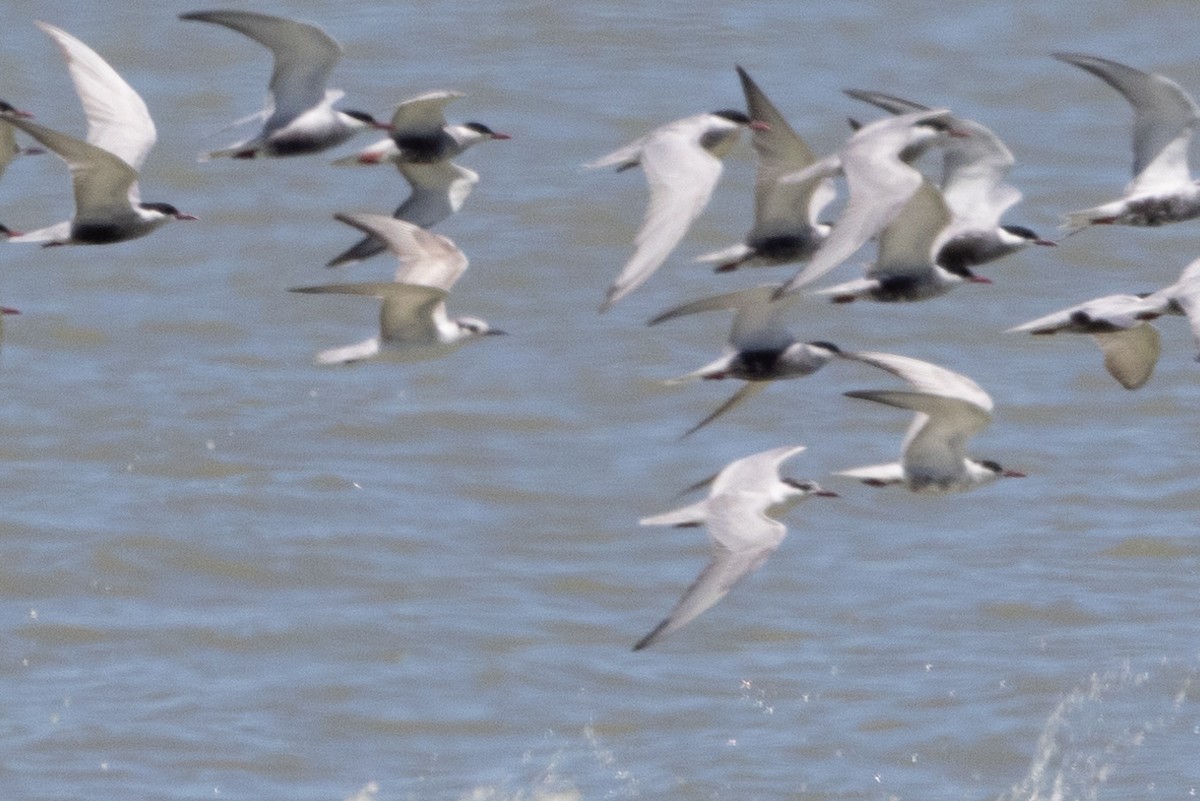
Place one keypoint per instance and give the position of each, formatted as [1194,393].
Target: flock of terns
[931,236]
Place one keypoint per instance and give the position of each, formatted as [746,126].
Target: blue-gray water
[228,573]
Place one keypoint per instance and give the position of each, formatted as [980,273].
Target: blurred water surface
[226,572]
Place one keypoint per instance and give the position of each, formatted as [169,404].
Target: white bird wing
[623,157]
[926,377]
[780,208]
[1185,292]
[424,114]
[408,310]
[907,245]
[682,176]
[879,187]
[973,167]
[1130,355]
[694,514]
[973,171]
[102,181]
[742,539]
[118,120]
[1164,115]
[304,56]
[877,474]
[426,258]
[1116,312]
[754,473]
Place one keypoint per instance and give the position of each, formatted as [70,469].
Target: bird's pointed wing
[304,56]
[973,166]
[1130,355]
[426,258]
[748,390]
[780,207]
[756,325]
[694,514]
[743,538]
[879,187]
[936,443]
[1111,312]
[102,180]
[1164,116]
[889,103]
[8,146]
[754,473]
[407,312]
[411,313]
[118,120]
[682,176]
[348,354]
[907,244]
[876,474]
[424,114]
[438,190]
[973,171]
[926,377]
[1186,294]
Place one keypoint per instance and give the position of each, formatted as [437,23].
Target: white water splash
[1089,737]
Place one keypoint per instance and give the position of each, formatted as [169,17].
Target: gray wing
[743,538]
[1130,355]
[407,312]
[781,208]
[102,180]
[907,245]
[426,258]
[304,57]
[8,146]
[747,391]
[1164,117]
[438,190]
[756,325]
[936,444]
[889,103]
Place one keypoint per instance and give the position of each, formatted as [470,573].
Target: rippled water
[226,572]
